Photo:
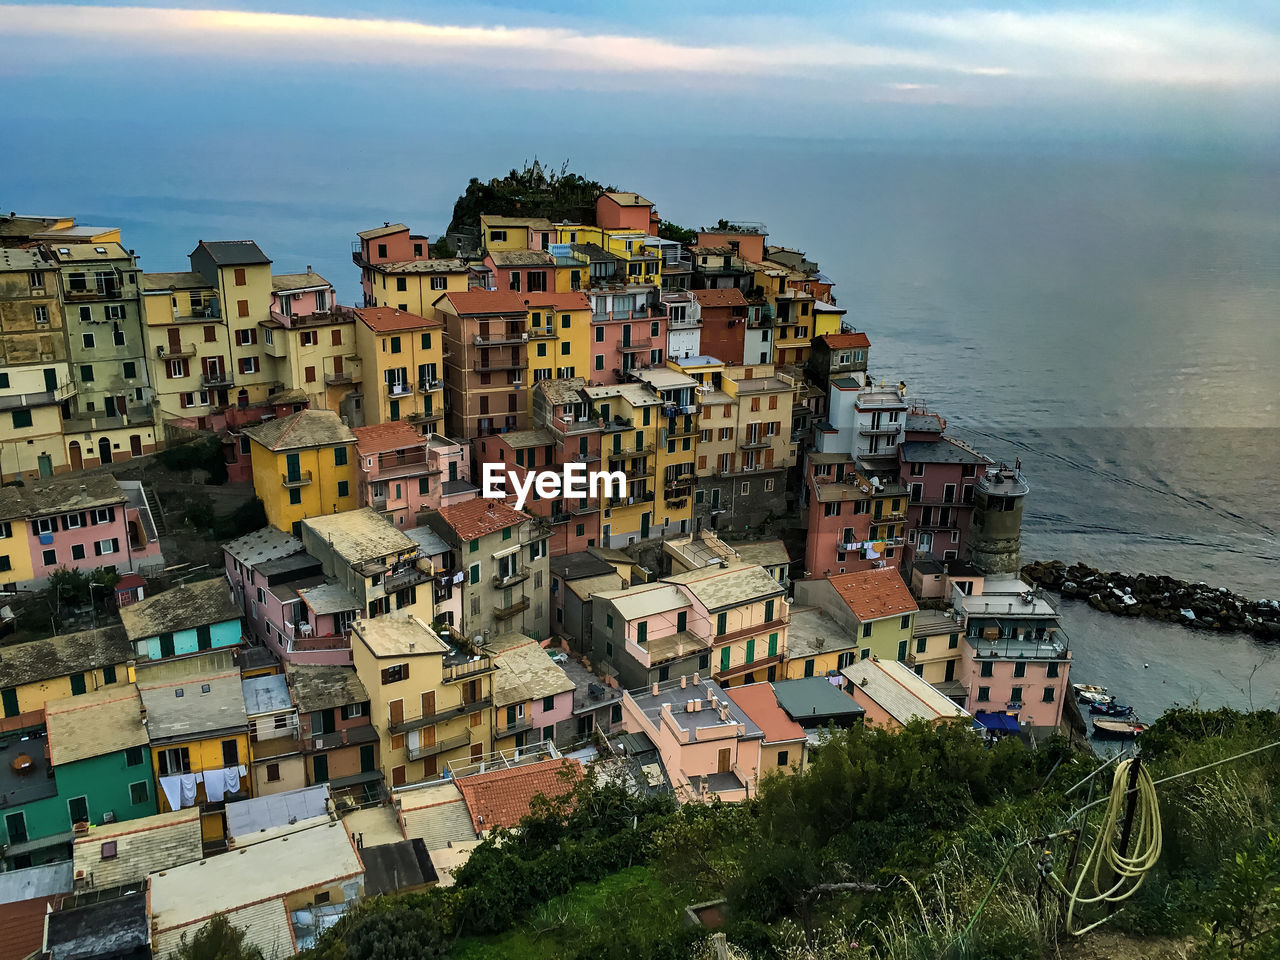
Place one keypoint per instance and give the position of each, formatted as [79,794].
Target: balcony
[506,613]
[103,291]
[216,379]
[887,430]
[431,383]
[754,443]
[636,344]
[542,333]
[399,388]
[448,713]
[406,577]
[334,379]
[580,508]
[682,482]
[299,478]
[440,746]
[642,473]
[170,351]
[523,725]
[410,464]
[506,338]
[678,432]
[519,575]
[493,366]
[467,670]
[351,736]
[621,453]
[617,423]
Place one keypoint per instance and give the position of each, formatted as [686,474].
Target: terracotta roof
[502,798]
[301,431]
[626,199]
[571,300]
[475,518]
[838,340]
[720,298]
[388,320]
[382,231]
[875,594]
[488,301]
[395,435]
[23,925]
[758,702]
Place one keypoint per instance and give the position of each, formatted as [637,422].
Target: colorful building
[674,452]
[402,364]
[311,339]
[303,466]
[487,341]
[892,696]
[71,664]
[188,619]
[632,418]
[339,742]
[562,410]
[531,693]
[403,474]
[875,604]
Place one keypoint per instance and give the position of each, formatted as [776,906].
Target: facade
[875,605]
[276,762]
[188,619]
[532,695]
[311,339]
[487,338]
[303,466]
[401,362]
[430,702]
[632,419]
[402,474]
[784,749]
[339,742]
[501,556]
[72,664]
[942,478]
[674,451]
[724,327]
[562,410]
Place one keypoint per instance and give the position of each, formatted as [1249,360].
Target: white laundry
[231,777]
[459,577]
[213,785]
[172,787]
[871,552]
[188,789]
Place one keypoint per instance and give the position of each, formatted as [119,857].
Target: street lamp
[93,607]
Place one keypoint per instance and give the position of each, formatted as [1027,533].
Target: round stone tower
[995,532]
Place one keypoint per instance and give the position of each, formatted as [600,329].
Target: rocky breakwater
[1159,598]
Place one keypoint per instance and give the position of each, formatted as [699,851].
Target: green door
[293,467]
[320,768]
[45,464]
[366,759]
[644,526]
[395,410]
[78,808]
[9,695]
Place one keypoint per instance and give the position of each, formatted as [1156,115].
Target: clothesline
[180,789]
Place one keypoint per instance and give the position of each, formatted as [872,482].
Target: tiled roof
[359,535]
[382,231]
[393,435]
[502,798]
[569,300]
[527,672]
[195,714]
[445,265]
[437,814]
[565,390]
[183,607]
[473,302]
[624,199]
[875,594]
[718,588]
[63,655]
[944,450]
[520,439]
[840,340]
[185,280]
[758,702]
[143,846]
[234,253]
[64,495]
[320,687]
[389,320]
[521,258]
[301,431]
[23,926]
[472,519]
[95,724]
[898,691]
[284,282]
[731,297]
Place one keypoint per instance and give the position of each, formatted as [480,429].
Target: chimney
[688,706]
[308,268]
[696,679]
[724,713]
[655,688]
[697,706]
[684,681]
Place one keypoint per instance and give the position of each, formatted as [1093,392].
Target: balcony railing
[448,713]
[102,291]
[299,479]
[168,351]
[346,737]
[580,507]
[754,443]
[637,343]
[429,384]
[333,379]
[440,746]
[216,380]
[506,613]
[506,338]
[621,453]
[886,430]
[407,577]
[519,575]
[617,423]
[467,670]
[523,725]
[492,366]
[399,388]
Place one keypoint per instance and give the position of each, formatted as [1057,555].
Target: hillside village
[395,666]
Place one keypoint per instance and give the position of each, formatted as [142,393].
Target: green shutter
[768,611]
[751,650]
[475,573]
[724,657]
[682,620]
[77,684]
[773,644]
[9,696]
[902,650]
[722,620]
[204,640]
[109,674]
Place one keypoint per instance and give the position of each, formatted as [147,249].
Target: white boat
[1089,693]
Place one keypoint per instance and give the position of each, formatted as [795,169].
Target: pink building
[617,210]
[627,333]
[301,295]
[531,693]
[389,243]
[288,604]
[940,476]
[709,746]
[1016,658]
[846,513]
[404,474]
[82,522]
[522,271]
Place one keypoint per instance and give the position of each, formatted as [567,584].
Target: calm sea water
[1111,318]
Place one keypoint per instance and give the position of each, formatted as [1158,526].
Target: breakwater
[1155,597]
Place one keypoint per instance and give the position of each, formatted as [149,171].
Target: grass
[558,927]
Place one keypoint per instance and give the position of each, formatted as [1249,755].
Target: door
[77,457]
[429,703]
[175,341]
[453,470]
[397,776]
[320,768]
[78,808]
[293,467]
[104,450]
[111,406]
[715,498]
[367,764]
[337,367]
[722,761]
[644,526]
[15,824]
[477,751]
[951,670]
[397,712]
[135,445]
[50,379]
[45,463]
[394,411]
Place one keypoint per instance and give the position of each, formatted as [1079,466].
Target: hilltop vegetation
[892,846]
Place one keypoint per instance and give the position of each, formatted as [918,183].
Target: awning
[998,721]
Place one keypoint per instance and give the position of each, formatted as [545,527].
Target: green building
[88,763]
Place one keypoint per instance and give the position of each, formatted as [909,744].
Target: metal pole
[1131,805]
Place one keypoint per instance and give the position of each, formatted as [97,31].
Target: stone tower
[995,532]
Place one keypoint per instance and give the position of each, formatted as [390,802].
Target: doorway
[135,445]
[45,464]
[77,456]
[722,761]
[104,450]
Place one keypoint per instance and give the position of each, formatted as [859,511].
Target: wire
[1128,868]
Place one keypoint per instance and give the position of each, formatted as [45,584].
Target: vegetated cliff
[532,191]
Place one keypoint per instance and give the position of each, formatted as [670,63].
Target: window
[395,673]
[246,338]
[230,753]
[86,373]
[87,340]
[922,644]
[133,756]
[108,851]
[130,370]
[343,488]
[402,284]
[41,314]
[548,704]
[175,760]
[866,630]
[21,418]
[240,277]
[248,364]
[50,558]
[475,573]
[77,551]
[988,669]
[1015,694]
[1020,669]
[78,808]
[721,624]
[725,655]
[295,497]
[139,792]
[1051,670]
[309,338]
[497,236]
[473,546]
[984,694]
[953,641]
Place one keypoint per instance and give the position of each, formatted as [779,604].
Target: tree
[217,940]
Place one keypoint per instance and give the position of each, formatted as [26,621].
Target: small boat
[1122,729]
[1111,709]
[1088,693]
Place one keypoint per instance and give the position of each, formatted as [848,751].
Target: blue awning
[998,721]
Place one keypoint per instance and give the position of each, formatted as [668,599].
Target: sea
[1108,315]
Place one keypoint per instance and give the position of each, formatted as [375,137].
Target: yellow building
[311,340]
[197,723]
[64,666]
[402,367]
[632,416]
[411,286]
[643,260]
[531,693]
[502,234]
[303,466]
[676,449]
[15,546]
[429,702]
[189,345]
[936,649]
[818,646]
[559,337]
[883,610]
[240,274]
[827,318]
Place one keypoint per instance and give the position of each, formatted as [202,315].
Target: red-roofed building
[875,605]
[500,557]
[785,741]
[502,798]
[403,474]
[401,358]
[724,324]
[486,335]
[835,356]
